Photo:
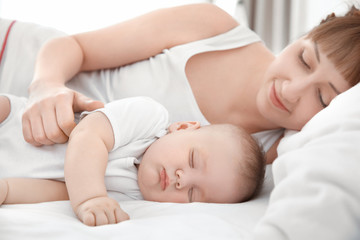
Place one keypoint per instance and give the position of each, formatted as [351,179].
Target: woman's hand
[100,211]
[49,116]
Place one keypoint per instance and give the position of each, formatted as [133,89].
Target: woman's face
[298,84]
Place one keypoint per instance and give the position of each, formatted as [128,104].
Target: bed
[310,192]
[149,220]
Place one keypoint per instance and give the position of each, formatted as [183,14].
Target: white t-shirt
[137,122]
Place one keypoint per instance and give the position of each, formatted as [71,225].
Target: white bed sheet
[149,220]
[316,196]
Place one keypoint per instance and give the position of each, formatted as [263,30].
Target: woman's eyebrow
[317,52]
[318,59]
[334,88]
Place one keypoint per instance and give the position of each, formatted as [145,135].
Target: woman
[201,64]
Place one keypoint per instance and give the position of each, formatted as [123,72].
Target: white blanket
[317,193]
[149,220]
[316,196]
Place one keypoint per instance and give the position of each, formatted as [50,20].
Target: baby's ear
[190,125]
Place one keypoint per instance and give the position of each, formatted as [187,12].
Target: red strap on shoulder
[5,39]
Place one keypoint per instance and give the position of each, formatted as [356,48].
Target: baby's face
[191,166]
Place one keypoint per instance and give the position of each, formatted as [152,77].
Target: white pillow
[317,177]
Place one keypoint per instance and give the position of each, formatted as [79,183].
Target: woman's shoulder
[214,13]
[207,18]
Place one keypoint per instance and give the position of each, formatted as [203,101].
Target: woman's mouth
[164,179]
[275,99]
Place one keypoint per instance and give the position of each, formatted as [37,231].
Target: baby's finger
[110,214]
[100,218]
[88,218]
[120,215]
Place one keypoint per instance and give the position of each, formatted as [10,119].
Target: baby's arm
[30,190]
[85,165]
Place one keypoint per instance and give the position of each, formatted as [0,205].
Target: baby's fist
[100,211]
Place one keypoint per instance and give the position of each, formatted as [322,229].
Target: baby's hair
[251,159]
[339,38]
[252,164]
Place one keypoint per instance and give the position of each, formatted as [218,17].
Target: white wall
[306,14]
[280,22]
[81,15]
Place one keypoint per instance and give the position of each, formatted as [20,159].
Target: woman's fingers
[27,133]
[40,125]
[51,120]
[33,130]
[65,114]
[83,103]
[38,132]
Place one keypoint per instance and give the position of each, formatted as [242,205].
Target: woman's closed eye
[302,60]
[307,66]
[322,102]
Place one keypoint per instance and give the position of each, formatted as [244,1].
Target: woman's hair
[339,38]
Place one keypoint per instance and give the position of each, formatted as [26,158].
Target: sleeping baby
[127,150]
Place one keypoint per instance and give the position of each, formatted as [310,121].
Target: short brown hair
[251,159]
[254,164]
[339,38]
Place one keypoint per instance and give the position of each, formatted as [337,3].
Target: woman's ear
[190,125]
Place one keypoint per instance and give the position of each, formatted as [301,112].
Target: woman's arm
[85,165]
[148,35]
[127,42]
[30,190]
[130,41]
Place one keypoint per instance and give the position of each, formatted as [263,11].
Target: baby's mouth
[164,179]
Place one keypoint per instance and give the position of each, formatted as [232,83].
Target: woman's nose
[293,90]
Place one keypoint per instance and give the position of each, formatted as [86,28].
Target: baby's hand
[100,211]
[3,190]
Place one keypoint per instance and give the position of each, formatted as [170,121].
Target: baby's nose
[180,179]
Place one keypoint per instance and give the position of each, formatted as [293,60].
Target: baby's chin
[150,195]
[147,196]
[144,189]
